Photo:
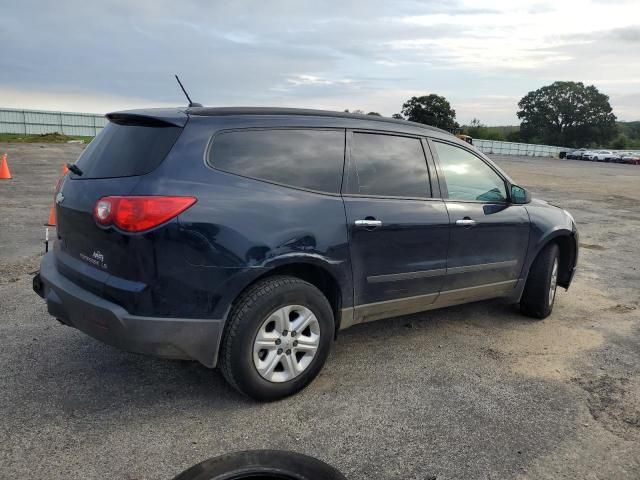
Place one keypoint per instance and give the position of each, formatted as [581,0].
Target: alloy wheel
[286,343]
[554,282]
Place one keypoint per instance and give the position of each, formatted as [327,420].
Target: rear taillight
[136,214]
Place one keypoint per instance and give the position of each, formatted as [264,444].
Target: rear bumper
[184,338]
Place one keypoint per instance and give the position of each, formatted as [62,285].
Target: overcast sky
[98,56]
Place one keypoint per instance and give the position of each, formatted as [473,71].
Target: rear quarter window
[304,158]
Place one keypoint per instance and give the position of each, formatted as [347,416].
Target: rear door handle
[368,223]
[466,222]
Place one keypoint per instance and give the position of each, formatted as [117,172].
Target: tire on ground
[261,464]
[535,298]
[247,315]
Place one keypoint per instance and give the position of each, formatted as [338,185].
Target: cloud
[73,102]
[626,106]
[349,54]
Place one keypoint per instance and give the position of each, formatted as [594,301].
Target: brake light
[136,214]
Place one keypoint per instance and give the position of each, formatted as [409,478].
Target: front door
[398,233]
[489,235]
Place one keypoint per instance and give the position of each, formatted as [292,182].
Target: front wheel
[540,290]
[278,338]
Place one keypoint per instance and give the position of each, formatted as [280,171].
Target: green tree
[477,129]
[631,130]
[397,116]
[566,114]
[432,110]
[620,142]
[514,136]
[361,112]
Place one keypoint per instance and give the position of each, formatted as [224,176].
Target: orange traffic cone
[5,174]
[52,213]
[52,217]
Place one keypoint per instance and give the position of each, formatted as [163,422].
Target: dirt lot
[476,391]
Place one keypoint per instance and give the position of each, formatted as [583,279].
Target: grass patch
[44,138]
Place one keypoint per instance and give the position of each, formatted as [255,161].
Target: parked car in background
[621,155]
[576,154]
[249,237]
[631,158]
[587,155]
[604,156]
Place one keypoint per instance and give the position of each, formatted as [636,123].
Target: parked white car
[605,156]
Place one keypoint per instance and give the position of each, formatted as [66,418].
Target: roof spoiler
[150,118]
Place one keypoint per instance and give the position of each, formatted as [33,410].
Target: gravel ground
[475,391]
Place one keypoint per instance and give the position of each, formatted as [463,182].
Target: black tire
[249,312]
[261,464]
[536,301]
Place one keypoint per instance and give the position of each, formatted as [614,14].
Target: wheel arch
[568,246]
[318,273]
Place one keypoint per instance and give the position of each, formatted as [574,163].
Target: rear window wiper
[73,168]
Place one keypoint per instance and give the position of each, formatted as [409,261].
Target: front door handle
[466,222]
[368,223]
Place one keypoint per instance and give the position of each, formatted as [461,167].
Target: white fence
[511,148]
[38,122]
[89,124]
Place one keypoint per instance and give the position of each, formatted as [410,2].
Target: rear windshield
[124,150]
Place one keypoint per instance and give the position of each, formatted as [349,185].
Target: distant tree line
[361,112]
[567,114]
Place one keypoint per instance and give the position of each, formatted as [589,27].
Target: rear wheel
[278,338]
[540,290]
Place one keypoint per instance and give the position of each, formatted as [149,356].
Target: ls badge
[97,259]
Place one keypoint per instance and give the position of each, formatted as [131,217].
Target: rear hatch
[131,145]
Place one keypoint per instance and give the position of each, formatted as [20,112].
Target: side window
[388,165]
[309,158]
[468,177]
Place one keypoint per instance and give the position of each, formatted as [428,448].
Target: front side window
[304,158]
[468,178]
[388,165]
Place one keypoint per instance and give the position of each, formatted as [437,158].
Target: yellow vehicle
[464,137]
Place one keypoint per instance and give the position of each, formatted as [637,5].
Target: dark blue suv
[248,237]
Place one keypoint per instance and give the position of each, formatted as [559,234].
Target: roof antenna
[191,104]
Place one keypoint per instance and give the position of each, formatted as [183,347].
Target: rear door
[489,235]
[112,164]
[398,231]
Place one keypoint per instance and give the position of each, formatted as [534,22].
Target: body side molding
[408,305]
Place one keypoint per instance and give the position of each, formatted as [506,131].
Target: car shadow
[82,376]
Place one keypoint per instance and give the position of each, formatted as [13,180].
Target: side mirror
[520,195]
